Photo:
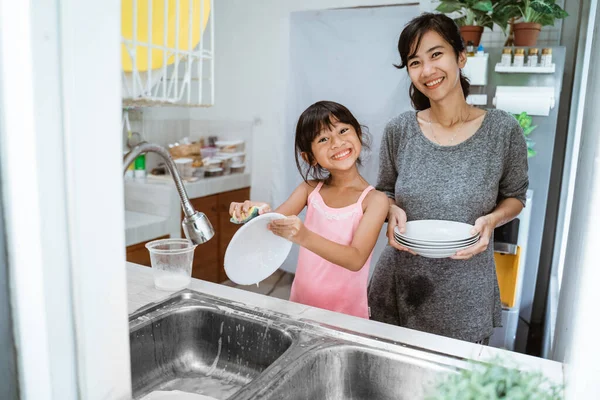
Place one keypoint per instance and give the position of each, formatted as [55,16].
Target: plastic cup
[171,261]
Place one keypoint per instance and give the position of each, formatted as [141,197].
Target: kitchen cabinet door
[206,255]
[139,254]
[225,227]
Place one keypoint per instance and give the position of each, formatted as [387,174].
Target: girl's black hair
[409,42]
[315,118]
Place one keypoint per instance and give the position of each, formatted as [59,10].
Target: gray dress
[454,298]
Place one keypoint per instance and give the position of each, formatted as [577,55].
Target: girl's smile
[342,155]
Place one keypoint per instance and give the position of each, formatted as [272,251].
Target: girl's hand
[397,217]
[240,210]
[290,228]
[485,226]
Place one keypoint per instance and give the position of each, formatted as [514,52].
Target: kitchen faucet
[196,225]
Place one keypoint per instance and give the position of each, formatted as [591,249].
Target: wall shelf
[525,69]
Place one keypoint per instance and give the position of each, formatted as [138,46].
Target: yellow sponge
[252,213]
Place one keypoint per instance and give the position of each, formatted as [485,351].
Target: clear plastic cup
[171,261]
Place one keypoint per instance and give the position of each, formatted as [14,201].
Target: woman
[450,161]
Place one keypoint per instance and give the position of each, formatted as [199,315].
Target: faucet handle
[197,228]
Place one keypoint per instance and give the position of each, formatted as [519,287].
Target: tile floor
[277,285]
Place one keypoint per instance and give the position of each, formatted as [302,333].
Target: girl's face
[336,147]
[434,69]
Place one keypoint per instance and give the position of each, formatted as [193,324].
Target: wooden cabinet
[208,257]
[139,254]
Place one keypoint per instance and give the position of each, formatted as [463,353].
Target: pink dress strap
[364,194]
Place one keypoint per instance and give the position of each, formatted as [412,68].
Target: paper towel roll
[533,100]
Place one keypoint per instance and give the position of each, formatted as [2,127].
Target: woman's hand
[485,227]
[240,210]
[397,217]
[290,228]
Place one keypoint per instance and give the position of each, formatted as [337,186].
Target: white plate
[440,253]
[430,230]
[436,247]
[436,243]
[255,252]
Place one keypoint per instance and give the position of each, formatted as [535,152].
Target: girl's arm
[292,206]
[352,257]
[297,200]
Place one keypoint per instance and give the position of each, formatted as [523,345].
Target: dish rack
[167,49]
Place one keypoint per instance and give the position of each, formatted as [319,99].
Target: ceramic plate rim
[404,235]
[239,233]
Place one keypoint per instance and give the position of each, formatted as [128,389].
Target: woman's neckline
[453,147]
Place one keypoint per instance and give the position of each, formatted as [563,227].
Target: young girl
[344,215]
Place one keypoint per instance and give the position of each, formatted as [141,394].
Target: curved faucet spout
[196,225]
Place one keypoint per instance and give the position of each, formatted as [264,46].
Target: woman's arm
[504,212]
[512,191]
[352,257]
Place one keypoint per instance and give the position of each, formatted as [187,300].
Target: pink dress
[320,283]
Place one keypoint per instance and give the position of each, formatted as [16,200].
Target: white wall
[251,65]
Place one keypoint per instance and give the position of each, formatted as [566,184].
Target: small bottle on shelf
[532,57]
[546,60]
[519,59]
[470,49]
[506,59]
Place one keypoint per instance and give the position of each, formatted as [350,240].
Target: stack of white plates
[436,238]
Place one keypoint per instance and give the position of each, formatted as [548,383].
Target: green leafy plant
[495,382]
[526,121]
[469,12]
[543,12]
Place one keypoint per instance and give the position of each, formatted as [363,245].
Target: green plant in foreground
[495,382]
[526,124]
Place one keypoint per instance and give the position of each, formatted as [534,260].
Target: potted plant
[470,15]
[526,124]
[527,18]
[490,381]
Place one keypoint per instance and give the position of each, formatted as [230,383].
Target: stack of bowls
[436,238]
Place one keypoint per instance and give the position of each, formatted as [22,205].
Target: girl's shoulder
[310,185]
[376,199]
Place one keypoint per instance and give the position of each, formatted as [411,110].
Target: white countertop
[153,208]
[141,291]
[141,227]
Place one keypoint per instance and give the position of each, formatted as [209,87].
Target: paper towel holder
[540,99]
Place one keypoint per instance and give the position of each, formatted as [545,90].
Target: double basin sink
[213,347]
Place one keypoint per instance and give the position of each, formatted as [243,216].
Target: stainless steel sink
[200,349]
[206,345]
[353,372]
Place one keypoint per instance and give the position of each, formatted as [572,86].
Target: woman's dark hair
[409,42]
[315,118]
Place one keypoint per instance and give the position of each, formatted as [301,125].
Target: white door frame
[63,197]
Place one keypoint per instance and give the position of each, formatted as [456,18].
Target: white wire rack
[189,79]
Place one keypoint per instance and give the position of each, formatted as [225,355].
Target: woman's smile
[435,83]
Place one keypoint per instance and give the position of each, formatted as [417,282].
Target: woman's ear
[462,59]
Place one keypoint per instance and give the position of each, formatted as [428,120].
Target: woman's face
[434,69]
